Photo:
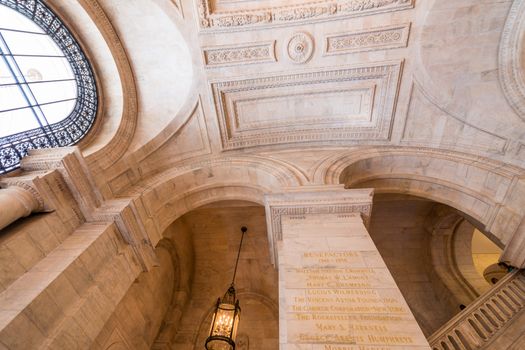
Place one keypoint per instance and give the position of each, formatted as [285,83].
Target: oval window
[48,95]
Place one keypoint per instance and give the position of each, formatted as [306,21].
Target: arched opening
[202,246]
[434,253]
[215,233]
[424,220]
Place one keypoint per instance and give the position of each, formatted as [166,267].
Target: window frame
[77,124]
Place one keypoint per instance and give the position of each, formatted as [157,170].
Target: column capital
[27,190]
[313,199]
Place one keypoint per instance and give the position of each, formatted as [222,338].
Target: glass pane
[44,68]
[11,97]
[5,74]
[13,20]
[224,320]
[17,121]
[56,91]
[30,44]
[35,72]
[58,111]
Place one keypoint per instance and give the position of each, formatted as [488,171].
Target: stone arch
[107,141]
[168,196]
[193,237]
[183,268]
[450,248]
[489,192]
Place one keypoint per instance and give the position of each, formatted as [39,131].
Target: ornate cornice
[311,10]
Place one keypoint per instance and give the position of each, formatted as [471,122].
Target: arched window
[48,95]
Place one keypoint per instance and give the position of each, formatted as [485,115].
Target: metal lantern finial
[226,316]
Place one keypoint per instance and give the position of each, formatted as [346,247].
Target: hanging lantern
[224,323]
[226,316]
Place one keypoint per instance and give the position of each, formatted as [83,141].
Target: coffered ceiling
[268,75]
[354,72]
[241,13]
[295,72]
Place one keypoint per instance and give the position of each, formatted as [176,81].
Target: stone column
[335,291]
[15,203]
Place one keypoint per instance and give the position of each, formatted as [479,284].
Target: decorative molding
[310,11]
[511,58]
[313,200]
[380,38]
[300,47]
[119,144]
[178,6]
[336,105]
[228,55]
[116,341]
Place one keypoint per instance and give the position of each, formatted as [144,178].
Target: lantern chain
[243,229]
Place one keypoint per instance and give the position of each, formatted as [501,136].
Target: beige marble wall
[137,319]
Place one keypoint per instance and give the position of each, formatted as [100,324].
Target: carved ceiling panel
[345,104]
[224,14]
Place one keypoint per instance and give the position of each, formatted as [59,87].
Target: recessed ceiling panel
[345,104]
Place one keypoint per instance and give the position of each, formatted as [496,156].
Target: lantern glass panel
[224,327]
[224,320]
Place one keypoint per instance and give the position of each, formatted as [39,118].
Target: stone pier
[335,291]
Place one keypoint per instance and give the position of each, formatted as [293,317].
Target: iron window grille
[76,125]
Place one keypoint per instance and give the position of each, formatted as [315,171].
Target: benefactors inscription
[336,292]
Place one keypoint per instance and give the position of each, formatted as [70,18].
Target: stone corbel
[128,221]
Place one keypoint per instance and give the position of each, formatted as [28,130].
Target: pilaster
[335,291]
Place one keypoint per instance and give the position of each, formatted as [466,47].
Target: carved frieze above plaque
[230,55]
[382,38]
[223,15]
[300,48]
[342,105]
[301,201]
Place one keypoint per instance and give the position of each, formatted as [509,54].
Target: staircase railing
[480,322]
